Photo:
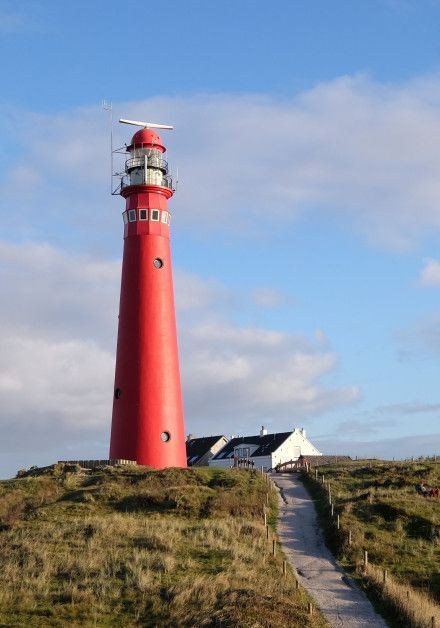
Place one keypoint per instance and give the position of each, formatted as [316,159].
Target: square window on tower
[143,214]
[124,217]
[155,215]
[165,217]
[132,215]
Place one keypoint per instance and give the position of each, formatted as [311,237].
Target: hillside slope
[381,513]
[131,546]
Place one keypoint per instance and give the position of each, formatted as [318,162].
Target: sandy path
[342,603]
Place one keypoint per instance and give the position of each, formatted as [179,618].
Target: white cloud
[57,345]
[420,340]
[268,297]
[357,150]
[54,384]
[55,295]
[430,275]
[240,376]
[360,151]
[194,293]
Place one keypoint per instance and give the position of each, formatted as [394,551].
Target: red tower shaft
[147,420]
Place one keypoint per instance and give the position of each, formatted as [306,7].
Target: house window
[132,215]
[165,217]
[124,217]
[155,215]
[143,214]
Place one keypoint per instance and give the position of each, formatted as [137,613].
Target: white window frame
[131,215]
[125,217]
[152,215]
[165,218]
[143,209]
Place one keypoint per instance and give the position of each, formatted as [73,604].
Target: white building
[265,450]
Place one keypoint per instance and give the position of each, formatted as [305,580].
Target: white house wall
[259,461]
[292,448]
[224,463]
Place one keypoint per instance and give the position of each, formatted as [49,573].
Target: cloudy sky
[306,225]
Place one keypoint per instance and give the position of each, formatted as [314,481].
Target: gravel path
[342,603]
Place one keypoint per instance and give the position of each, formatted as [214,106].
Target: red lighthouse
[147,421]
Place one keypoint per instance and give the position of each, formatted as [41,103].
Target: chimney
[303,432]
[190,437]
[263,431]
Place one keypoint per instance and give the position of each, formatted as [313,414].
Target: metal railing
[153,161]
[166,182]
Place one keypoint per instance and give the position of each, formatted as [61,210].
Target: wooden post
[316,474]
[284,568]
[407,595]
[274,547]
[267,499]
[385,573]
[323,479]
[332,509]
[365,558]
[349,537]
[338,523]
[296,584]
[310,608]
[267,532]
[432,622]
[265,519]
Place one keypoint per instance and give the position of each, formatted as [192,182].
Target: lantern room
[146,164]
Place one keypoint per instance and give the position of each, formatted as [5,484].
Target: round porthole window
[117,393]
[158,263]
[165,437]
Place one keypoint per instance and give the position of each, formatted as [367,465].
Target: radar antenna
[146,125]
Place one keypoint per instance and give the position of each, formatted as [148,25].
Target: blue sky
[305,226]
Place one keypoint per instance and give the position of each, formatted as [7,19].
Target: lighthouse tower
[147,420]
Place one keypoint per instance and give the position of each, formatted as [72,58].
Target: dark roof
[197,447]
[267,444]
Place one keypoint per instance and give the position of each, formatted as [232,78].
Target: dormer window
[143,214]
[132,215]
[155,215]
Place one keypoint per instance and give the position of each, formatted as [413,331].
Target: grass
[399,529]
[130,546]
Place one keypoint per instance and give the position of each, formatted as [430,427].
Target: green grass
[399,529]
[131,546]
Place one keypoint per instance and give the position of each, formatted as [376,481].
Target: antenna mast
[107,106]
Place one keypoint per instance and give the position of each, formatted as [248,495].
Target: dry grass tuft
[413,607]
[135,547]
